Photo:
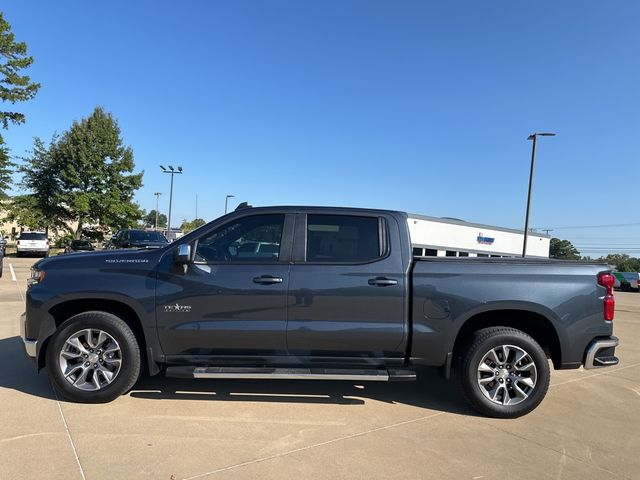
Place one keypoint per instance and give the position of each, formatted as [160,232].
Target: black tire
[18,254]
[129,349]
[483,342]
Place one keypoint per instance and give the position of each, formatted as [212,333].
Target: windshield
[146,237]
[80,243]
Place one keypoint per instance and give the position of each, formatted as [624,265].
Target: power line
[611,225]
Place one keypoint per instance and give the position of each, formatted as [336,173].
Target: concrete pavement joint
[563,454]
[66,428]
[309,447]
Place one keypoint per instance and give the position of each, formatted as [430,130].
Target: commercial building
[450,237]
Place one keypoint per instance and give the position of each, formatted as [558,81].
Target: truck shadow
[17,372]
[430,391]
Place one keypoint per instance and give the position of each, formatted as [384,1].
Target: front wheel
[93,358]
[505,373]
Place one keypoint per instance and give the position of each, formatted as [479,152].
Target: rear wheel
[505,373]
[93,358]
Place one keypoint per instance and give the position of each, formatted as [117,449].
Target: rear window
[80,243]
[32,236]
[342,238]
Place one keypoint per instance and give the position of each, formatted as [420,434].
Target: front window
[250,239]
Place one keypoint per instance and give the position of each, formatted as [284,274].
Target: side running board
[354,375]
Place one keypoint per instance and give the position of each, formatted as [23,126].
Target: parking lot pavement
[587,427]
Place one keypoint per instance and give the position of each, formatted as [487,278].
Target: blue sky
[418,106]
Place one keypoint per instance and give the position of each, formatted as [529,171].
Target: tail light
[607,280]
[18,243]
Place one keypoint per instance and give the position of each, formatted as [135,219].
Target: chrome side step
[353,375]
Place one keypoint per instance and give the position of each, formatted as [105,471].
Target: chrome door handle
[267,280]
[382,282]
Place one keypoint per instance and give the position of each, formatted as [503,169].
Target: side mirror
[182,255]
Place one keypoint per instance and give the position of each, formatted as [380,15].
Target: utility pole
[533,137]
[171,171]
[157,194]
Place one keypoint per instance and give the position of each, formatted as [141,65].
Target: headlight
[37,276]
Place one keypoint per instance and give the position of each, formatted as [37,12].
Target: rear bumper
[601,353]
[30,346]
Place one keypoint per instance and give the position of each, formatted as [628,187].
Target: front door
[231,299]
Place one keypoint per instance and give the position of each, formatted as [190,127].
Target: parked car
[79,246]
[32,243]
[626,281]
[130,238]
[343,299]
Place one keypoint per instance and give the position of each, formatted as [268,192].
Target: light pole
[157,194]
[226,200]
[171,171]
[533,137]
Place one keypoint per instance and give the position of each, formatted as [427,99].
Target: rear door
[346,288]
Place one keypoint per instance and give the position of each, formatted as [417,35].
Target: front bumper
[30,346]
[601,353]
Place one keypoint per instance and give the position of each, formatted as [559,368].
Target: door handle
[267,280]
[382,282]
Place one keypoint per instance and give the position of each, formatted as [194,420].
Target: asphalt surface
[588,427]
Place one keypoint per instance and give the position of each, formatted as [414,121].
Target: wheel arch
[65,310]
[534,324]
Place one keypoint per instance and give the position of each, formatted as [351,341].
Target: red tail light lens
[607,280]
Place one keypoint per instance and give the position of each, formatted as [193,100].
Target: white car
[32,243]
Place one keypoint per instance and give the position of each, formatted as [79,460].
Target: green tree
[14,87]
[187,227]
[95,169]
[40,177]
[149,219]
[22,209]
[622,262]
[563,249]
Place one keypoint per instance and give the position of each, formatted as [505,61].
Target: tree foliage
[40,177]
[187,227]
[563,249]
[95,171]
[84,176]
[14,87]
[149,219]
[622,262]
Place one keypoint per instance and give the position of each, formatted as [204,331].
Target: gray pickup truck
[337,295]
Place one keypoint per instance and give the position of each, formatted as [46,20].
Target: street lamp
[226,200]
[171,171]
[533,137]
[157,194]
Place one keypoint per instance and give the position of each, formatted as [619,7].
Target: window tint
[430,252]
[250,239]
[32,236]
[142,236]
[463,254]
[342,238]
[451,253]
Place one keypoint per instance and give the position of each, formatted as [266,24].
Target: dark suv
[138,239]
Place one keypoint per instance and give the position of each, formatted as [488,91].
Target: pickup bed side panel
[448,293]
